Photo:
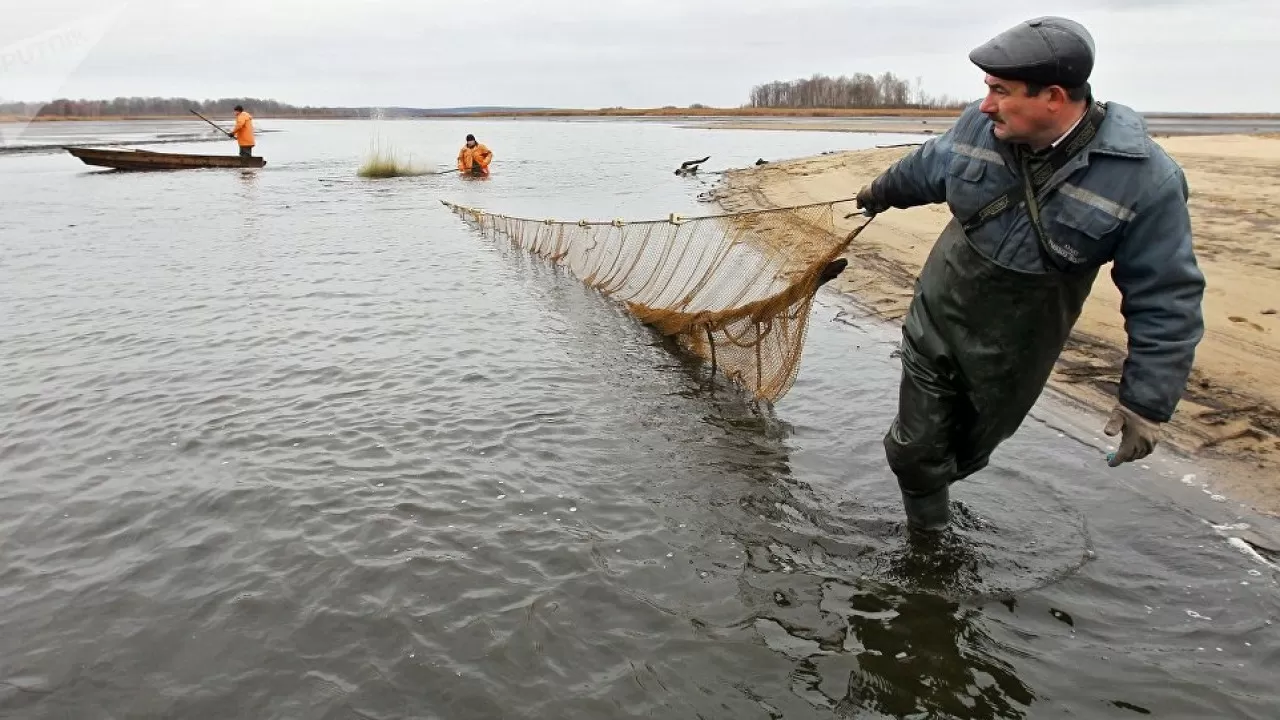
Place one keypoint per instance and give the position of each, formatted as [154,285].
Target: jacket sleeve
[920,177]
[239,126]
[1161,287]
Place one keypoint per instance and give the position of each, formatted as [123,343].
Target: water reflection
[871,619]
[870,645]
[923,654]
[247,196]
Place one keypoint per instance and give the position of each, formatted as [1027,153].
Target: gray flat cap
[1045,50]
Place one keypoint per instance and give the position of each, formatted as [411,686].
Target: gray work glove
[867,200]
[1138,435]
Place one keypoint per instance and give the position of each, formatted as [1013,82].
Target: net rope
[733,289]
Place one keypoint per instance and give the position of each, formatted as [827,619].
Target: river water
[291,444]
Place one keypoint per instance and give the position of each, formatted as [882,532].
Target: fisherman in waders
[242,133]
[1045,185]
[474,158]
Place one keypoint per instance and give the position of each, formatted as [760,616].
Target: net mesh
[733,289]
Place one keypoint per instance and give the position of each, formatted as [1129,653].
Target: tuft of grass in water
[387,163]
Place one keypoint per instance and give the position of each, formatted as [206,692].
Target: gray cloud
[1153,54]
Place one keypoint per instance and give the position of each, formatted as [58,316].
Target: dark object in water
[1062,617]
[690,167]
[147,160]
[1130,706]
[833,268]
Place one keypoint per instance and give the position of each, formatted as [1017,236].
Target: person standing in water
[243,132]
[474,158]
[1045,186]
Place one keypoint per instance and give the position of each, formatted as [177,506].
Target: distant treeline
[135,106]
[861,91]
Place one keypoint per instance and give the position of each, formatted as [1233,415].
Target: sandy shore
[1230,414]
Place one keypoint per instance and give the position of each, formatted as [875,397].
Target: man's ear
[1058,96]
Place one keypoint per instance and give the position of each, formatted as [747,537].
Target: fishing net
[733,289]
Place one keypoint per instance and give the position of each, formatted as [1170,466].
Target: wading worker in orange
[474,158]
[1045,186]
[243,132]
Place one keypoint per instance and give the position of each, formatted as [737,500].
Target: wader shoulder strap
[1025,189]
[1033,209]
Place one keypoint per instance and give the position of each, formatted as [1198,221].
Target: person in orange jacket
[474,158]
[243,132]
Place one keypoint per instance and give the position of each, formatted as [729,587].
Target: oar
[224,132]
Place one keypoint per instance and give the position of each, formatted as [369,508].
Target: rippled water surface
[291,444]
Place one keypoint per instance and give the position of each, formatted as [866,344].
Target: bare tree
[859,91]
[134,106]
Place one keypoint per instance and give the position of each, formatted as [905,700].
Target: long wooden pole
[193,112]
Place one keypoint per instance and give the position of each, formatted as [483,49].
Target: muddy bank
[1230,414]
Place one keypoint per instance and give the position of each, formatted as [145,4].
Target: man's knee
[918,445]
[987,432]
[921,460]
[969,464]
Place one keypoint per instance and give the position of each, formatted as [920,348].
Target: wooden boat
[147,160]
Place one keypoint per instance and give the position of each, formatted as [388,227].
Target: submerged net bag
[733,289]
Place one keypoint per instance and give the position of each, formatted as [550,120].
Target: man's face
[1017,116]
[471,143]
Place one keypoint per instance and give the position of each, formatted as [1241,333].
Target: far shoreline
[671,113]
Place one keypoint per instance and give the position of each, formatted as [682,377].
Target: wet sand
[1230,414]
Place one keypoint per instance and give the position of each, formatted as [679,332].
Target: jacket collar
[1123,133]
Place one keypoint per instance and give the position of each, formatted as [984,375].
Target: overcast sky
[1174,55]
